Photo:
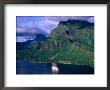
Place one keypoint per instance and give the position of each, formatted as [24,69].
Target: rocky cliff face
[73,31]
[72,41]
[67,32]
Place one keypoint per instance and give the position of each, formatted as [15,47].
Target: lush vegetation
[71,41]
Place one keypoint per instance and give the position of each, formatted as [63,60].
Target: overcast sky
[28,26]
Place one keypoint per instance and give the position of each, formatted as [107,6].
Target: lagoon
[26,67]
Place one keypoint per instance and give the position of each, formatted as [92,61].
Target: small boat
[54,68]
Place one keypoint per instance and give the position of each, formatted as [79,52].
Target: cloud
[65,18]
[24,38]
[47,25]
[91,19]
[31,30]
[21,39]
[31,25]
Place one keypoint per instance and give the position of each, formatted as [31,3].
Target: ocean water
[25,67]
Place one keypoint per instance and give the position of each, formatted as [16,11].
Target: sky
[28,26]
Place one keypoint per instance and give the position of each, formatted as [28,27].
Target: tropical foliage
[71,41]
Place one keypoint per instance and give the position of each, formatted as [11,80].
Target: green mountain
[71,42]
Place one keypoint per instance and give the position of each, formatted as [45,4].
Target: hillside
[71,42]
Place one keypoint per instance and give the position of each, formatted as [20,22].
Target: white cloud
[91,19]
[24,38]
[47,25]
[29,30]
[21,39]
[20,30]
[65,18]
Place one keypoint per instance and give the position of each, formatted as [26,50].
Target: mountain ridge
[73,41]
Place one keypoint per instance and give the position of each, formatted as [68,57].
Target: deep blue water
[25,67]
